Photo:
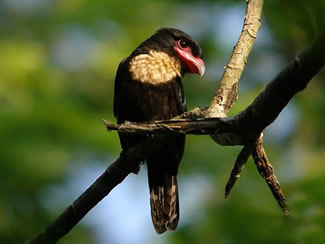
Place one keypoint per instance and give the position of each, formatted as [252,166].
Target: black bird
[148,87]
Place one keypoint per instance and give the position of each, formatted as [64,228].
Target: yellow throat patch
[154,68]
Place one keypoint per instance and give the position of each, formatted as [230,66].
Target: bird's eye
[183,43]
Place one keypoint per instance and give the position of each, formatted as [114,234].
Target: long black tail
[164,201]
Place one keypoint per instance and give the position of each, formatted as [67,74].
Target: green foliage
[57,66]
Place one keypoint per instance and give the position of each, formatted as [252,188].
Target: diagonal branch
[266,170]
[128,162]
[239,166]
[294,78]
[226,94]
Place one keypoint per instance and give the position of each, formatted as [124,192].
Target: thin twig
[238,167]
[267,172]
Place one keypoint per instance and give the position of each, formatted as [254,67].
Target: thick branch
[113,175]
[294,78]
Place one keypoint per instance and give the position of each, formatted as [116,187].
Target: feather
[165,204]
[148,87]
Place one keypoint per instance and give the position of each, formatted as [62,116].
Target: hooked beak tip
[201,70]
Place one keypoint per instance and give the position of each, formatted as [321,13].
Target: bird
[148,87]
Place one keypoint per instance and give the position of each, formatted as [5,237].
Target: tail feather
[164,203]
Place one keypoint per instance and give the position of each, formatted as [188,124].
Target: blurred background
[57,66]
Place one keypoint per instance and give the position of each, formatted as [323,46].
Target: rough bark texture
[226,94]
[267,172]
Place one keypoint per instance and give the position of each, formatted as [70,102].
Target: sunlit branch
[226,95]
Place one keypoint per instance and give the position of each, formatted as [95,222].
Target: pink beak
[194,65]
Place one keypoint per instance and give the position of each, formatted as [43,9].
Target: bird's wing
[120,78]
[181,105]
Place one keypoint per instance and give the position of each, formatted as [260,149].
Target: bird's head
[178,45]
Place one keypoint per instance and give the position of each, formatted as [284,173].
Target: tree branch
[238,167]
[266,170]
[294,78]
[226,94]
[128,162]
